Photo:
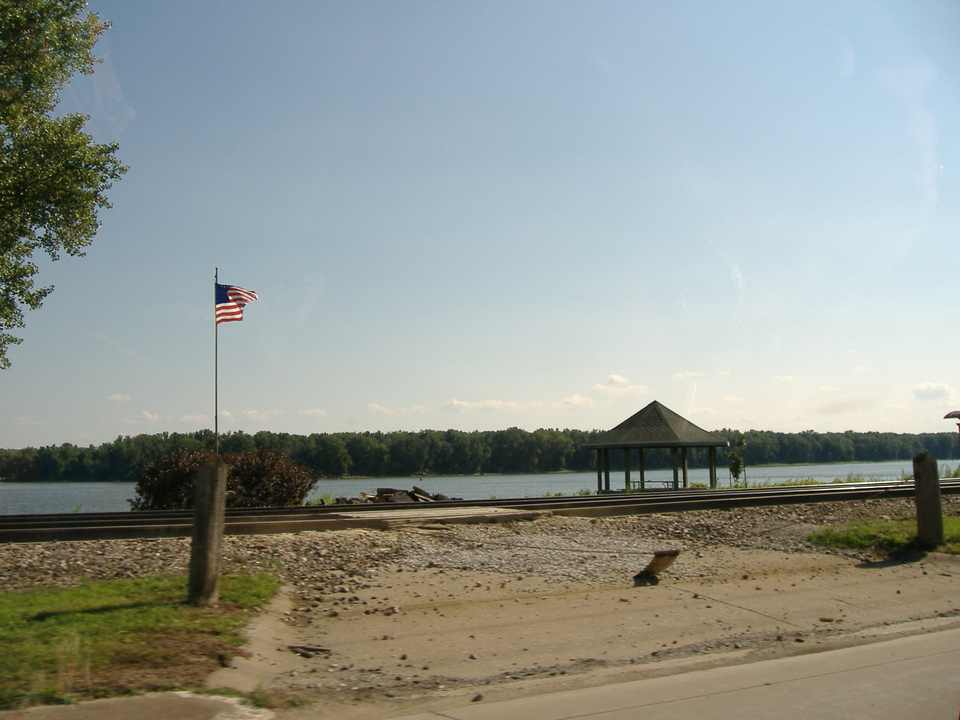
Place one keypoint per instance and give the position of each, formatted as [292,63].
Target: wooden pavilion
[656,426]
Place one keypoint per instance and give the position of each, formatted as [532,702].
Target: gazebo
[656,426]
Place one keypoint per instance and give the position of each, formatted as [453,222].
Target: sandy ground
[429,639]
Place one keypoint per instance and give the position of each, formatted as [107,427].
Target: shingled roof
[656,426]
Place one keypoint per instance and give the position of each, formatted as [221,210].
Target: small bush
[265,478]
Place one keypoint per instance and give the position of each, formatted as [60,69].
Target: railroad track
[253,521]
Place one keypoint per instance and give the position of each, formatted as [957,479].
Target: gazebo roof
[657,426]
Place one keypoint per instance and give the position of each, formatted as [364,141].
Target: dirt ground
[435,638]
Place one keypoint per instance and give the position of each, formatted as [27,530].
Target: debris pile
[394,495]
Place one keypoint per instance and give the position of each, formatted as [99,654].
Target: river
[60,497]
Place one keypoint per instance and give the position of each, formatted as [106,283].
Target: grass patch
[118,637]
[891,538]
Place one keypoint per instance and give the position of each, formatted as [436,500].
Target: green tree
[53,177]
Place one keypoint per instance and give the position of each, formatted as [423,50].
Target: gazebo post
[683,462]
[606,469]
[676,470]
[713,468]
[599,471]
[626,469]
[643,485]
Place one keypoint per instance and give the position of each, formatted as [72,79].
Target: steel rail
[248,521]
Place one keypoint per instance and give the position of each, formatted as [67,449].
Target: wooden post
[208,518]
[643,480]
[599,471]
[926,481]
[606,469]
[626,469]
[713,468]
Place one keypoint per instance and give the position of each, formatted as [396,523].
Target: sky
[510,214]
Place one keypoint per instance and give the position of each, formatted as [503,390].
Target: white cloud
[784,378]
[618,385]
[732,399]
[148,416]
[313,412]
[194,419]
[933,391]
[574,401]
[226,415]
[828,389]
[119,397]
[260,415]
[384,410]
[463,405]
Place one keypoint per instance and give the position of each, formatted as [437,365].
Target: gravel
[553,547]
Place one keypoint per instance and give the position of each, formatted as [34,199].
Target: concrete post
[208,518]
[927,496]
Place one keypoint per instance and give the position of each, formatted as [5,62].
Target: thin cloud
[384,410]
[784,378]
[118,398]
[932,391]
[575,401]
[194,419]
[617,385]
[113,343]
[27,422]
[463,405]
[848,405]
[688,375]
[313,412]
[260,415]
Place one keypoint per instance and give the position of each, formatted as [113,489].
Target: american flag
[230,301]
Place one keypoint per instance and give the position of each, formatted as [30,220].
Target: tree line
[451,452]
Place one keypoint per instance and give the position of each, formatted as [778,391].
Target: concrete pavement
[909,678]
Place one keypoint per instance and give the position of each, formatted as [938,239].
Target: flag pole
[216,370]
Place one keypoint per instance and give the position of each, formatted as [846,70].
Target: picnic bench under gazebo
[656,426]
